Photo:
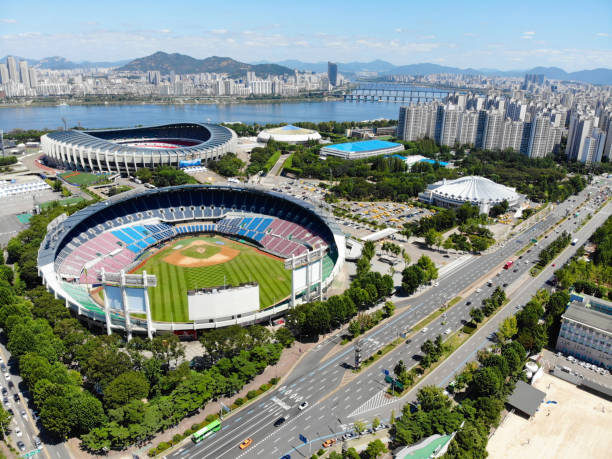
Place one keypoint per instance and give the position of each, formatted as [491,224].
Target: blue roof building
[362,149]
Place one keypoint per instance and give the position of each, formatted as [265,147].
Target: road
[334,403]
[26,424]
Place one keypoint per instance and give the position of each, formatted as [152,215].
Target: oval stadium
[126,150]
[190,257]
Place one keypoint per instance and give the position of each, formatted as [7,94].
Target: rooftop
[584,314]
[526,398]
[365,145]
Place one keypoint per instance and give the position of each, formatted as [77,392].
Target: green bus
[204,432]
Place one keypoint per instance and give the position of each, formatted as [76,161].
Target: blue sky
[465,33]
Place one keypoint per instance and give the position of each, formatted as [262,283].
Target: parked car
[21,446]
[18,432]
[328,443]
[246,443]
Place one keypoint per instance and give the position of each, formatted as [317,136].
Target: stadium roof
[473,188]
[288,133]
[207,135]
[364,145]
[526,398]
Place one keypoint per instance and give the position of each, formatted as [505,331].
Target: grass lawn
[169,298]
[64,202]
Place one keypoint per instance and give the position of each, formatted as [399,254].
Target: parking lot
[577,367]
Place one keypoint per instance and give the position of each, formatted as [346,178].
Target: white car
[7,376]
[24,414]
[18,432]
[447,331]
[424,330]
[303,406]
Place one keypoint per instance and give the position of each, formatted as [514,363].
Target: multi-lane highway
[337,397]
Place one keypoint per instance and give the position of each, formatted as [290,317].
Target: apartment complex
[483,123]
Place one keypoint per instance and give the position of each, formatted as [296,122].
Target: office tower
[4,75]
[24,74]
[332,73]
[539,137]
[33,77]
[12,69]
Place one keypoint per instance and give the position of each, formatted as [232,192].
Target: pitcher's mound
[177,258]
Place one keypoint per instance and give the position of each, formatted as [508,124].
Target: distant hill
[182,64]
[595,76]
[61,63]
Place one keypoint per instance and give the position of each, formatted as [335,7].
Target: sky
[506,35]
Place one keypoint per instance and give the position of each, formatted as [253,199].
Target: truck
[508,264]
[575,241]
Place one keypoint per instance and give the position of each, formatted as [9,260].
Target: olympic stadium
[126,150]
[190,257]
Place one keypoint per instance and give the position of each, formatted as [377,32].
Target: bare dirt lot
[578,426]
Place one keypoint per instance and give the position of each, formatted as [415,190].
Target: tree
[360,426]
[375,422]
[354,328]
[284,336]
[488,381]
[477,315]
[375,449]
[126,387]
[389,308]
[507,329]
[5,421]
[432,398]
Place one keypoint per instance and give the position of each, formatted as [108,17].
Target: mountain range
[594,76]
[181,64]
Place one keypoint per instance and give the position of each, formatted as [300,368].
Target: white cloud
[528,35]
[165,31]
[8,21]
[219,31]
[428,37]
[469,34]
[602,34]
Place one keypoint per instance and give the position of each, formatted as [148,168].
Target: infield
[210,261]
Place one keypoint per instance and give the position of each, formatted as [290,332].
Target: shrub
[163,446]
[273,381]
[239,402]
[177,438]
[264,387]
[321,452]
[468,329]
[210,418]
[197,426]
[251,394]
[152,452]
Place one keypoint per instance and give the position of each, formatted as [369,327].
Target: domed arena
[479,191]
[288,134]
[124,151]
[190,257]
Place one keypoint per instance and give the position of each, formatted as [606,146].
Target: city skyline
[522,36]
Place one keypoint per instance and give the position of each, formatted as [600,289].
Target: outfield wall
[212,303]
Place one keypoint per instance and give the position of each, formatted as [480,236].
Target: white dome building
[479,191]
[288,134]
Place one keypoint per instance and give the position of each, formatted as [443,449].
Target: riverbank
[61,102]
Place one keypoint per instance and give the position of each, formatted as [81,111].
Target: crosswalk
[380,399]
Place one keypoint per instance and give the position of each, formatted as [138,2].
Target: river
[107,116]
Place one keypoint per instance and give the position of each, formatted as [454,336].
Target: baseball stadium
[190,257]
[126,150]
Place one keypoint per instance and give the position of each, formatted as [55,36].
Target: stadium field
[210,261]
[81,178]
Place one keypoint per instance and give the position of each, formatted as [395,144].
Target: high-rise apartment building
[593,147]
[332,73]
[33,77]
[494,130]
[580,127]
[13,73]
[24,74]
[469,127]
[540,137]
[4,75]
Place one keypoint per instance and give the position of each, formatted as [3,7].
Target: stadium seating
[114,237]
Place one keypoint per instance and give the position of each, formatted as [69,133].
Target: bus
[508,264]
[204,432]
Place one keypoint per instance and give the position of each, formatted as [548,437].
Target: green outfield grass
[82,178]
[169,298]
